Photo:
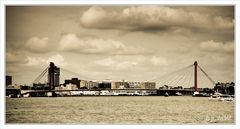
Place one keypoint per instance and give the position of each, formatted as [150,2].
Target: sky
[133,43]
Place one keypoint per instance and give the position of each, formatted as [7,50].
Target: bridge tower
[195,76]
[53,76]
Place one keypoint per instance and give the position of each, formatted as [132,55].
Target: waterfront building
[148,85]
[106,84]
[83,84]
[119,85]
[71,87]
[92,84]
[39,86]
[73,81]
[8,80]
[11,91]
[134,85]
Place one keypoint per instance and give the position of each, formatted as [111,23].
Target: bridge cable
[186,78]
[79,75]
[181,79]
[169,74]
[39,77]
[175,78]
[190,79]
[205,81]
[210,79]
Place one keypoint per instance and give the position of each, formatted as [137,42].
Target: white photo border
[4,3]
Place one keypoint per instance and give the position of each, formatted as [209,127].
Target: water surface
[119,110]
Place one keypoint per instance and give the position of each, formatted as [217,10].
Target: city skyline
[119,42]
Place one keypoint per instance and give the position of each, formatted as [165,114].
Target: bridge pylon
[53,76]
[195,76]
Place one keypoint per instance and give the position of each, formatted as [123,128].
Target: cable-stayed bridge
[186,80]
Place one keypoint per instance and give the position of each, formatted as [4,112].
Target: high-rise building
[8,80]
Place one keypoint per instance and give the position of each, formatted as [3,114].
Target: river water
[119,110]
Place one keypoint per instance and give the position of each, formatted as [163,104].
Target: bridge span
[111,92]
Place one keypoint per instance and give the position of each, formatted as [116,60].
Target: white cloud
[73,43]
[92,16]
[228,47]
[222,23]
[159,61]
[116,64]
[15,57]
[152,18]
[105,62]
[58,60]
[36,44]
[217,46]
[36,61]
[131,62]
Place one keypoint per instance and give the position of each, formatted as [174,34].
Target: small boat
[226,98]
[197,94]
[220,97]
[178,94]
[26,95]
[215,97]
[166,94]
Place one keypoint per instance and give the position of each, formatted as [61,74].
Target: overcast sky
[135,43]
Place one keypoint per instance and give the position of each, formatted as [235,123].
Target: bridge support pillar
[195,76]
[53,76]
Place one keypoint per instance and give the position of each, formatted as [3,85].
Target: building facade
[119,85]
[8,80]
[73,81]
[148,85]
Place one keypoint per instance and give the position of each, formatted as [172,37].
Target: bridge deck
[38,91]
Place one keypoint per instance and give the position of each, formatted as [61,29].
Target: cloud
[152,18]
[116,63]
[57,59]
[158,61]
[73,43]
[35,61]
[38,45]
[217,46]
[15,57]
[131,62]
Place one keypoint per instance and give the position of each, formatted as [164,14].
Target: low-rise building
[119,85]
[73,81]
[92,85]
[83,84]
[105,84]
[148,85]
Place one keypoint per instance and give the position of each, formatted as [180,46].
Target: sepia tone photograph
[120,64]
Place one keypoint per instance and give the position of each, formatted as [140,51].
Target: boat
[26,95]
[197,94]
[215,97]
[178,94]
[220,97]
[166,94]
[226,98]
